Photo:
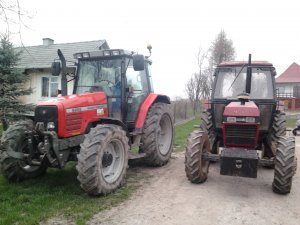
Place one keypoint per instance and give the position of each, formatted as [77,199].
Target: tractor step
[132,156]
[239,162]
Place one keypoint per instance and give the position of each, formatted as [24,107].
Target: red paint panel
[141,116]
[206,104]
[75,123]
[236,109]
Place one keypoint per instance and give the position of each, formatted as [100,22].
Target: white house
[37,60]
[288,83]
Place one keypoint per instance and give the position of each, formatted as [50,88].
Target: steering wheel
[108,83]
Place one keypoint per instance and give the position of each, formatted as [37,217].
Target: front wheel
[14,140]
[103,159]
[158,132]
[196,167]
[285,165]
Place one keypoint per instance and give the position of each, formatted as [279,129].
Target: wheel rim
[165,134]
[112,161]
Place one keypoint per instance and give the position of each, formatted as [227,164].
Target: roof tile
[42,56]
[290,75]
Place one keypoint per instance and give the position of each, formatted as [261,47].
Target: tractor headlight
[86,55]
[106,53]
[231,119]
[78,55]
[250,119]
[115,52]
[50,126]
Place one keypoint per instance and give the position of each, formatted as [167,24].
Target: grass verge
[290,122]
[57,193]
[182,132]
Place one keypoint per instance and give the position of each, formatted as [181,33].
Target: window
[100,75]
[49,86]
[232,81]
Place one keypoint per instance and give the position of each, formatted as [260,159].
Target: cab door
[137,90]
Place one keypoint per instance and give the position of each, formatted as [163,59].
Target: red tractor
[112,109]
[243,127]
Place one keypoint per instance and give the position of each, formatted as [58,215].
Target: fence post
[185,110]
[174,112]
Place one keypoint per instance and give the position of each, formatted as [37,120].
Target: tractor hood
[237,109]
[72,114]
[77,101]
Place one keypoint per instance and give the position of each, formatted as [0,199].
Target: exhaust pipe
[64,82]
[249,74]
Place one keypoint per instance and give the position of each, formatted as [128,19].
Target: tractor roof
[241,63]
[103,53]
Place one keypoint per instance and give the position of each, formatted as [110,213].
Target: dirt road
[169,198]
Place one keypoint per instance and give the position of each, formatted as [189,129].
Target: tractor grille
[73,121]
[240,135]
[46,114]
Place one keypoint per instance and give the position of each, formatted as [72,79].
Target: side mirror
[138,62]
[55,68]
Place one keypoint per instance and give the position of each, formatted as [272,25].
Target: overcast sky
[176,29]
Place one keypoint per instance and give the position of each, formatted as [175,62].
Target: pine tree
[12,80]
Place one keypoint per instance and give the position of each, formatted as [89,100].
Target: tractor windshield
[230,83]
[99,75]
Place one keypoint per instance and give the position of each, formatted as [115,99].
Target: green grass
[1,129]
[291,122]
[182,132]
[57,193]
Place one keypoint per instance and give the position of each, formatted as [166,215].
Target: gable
[290,75]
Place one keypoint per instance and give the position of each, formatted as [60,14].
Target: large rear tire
[285,165]
[196,167]
[278,129]
[207,126]
[103,159]
[158,132]
[14,140]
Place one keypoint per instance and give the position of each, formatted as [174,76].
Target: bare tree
[198,85]
[221,49]
[12,18]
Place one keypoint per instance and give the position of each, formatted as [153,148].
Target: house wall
[287,89]
[35,83]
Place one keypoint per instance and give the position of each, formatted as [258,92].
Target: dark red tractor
[112,109]
[243,127]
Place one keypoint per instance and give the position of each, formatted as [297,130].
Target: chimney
[48,41]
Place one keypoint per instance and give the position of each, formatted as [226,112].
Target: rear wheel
[285,165]
[157,138]
[14,140]
[278,129]
[207,126]
[196,167]
[103,159]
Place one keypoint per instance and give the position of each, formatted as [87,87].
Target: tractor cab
[237,77]
[123,76]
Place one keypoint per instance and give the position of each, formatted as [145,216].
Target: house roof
[42,56]
[290,75]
